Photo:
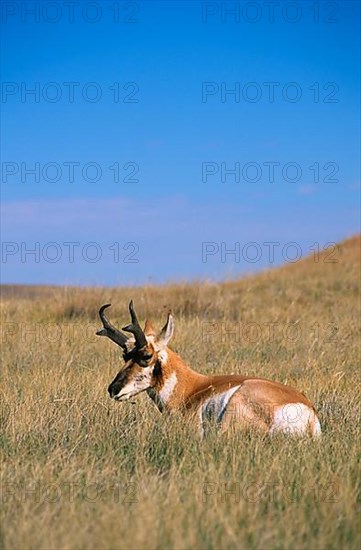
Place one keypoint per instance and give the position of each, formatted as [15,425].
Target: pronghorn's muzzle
[117,384]
[112,391]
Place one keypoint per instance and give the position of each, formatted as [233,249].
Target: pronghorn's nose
[112,390]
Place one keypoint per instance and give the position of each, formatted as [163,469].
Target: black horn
[135,328]
[110,331]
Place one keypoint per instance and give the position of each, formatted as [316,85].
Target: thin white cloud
[306,190]
[169,233]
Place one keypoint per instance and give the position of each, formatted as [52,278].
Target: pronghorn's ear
[148,329]
[167,332]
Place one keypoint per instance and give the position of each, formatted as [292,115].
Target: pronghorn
[222,400]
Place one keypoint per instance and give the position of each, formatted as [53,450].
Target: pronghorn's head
[144,354]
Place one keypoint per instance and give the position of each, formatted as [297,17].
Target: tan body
[244,402]
[213,401]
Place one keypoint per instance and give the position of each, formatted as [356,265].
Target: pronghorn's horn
[135,328]
[110,331]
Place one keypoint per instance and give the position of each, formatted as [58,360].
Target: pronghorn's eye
[144,359]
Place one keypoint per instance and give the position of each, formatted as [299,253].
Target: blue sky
[133,169]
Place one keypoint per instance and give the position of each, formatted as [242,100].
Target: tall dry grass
[80,471]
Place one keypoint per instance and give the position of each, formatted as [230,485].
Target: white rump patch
[296,419]
[166,392]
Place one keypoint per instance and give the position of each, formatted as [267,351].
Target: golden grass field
[79,471]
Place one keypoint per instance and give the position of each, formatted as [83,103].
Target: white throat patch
[166,392]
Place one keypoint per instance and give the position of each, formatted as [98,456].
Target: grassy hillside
[81,471]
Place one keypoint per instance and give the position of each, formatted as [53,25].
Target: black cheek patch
[157,371]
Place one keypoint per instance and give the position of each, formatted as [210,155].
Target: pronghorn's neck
[178,386]
[177,382]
